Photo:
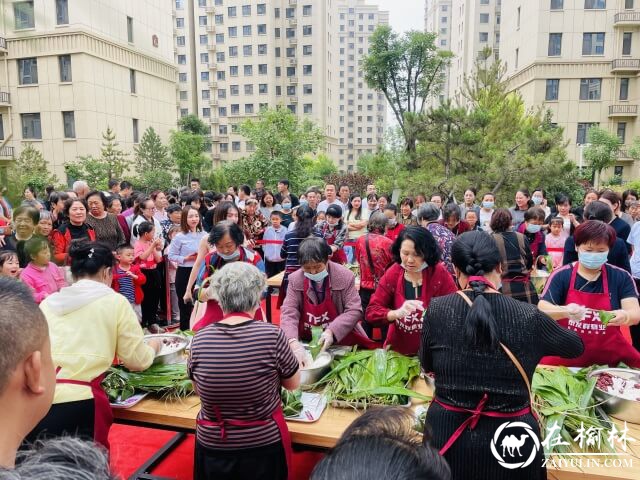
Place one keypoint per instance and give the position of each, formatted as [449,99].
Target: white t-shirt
[634,240]
[484,220]
[322,207]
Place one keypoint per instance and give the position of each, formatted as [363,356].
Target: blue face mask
[303,202]
[531,228]
[537,200]
[231,256]
[419,269]
[488,204]
[593,260]
[286,206]
[317,277]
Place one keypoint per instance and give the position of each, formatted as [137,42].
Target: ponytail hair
[88,258]
[142,228]
[476,254]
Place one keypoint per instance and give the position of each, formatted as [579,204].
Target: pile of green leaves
[372,377]
[567,398]
[291,402]
[169,381]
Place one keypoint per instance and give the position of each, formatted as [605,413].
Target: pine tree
[31,169]
[114,158]
[153,164]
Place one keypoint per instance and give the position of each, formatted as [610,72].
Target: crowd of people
[452,283]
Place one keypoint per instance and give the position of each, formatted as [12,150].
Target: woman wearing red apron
[335,232]
[227,237]
[407,287]
[576,293]
[483,348]
[238,366]
[89,324]
[322,293]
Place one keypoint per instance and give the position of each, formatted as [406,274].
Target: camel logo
[514,448]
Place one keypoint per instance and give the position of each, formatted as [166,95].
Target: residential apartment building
[70,68]
[236,56]
[437,19]
[580,59]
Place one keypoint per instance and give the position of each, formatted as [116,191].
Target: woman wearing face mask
[576,293]
[486,212]
[539,199]
[531,228]
[334,231]
[227,238]
[287,213]
[407,287]
[322,293]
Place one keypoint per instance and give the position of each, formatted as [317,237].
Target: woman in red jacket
[407,287]
[75,228]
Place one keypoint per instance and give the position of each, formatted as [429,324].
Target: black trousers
[262,463]
[152,292]
[182,278]
[71,418]
[365,298]
[273,268]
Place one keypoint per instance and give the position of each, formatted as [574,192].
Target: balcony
[214,119]
[211,47]
[6,152]
[3,45]
[623,154]
[293,22]
[215,156]
[293,79]
[292,99]
[293,2]
[213,84]
[626,19]
[210,9]
[5,99]
[215,139]
[292,61]
[213,102]
[211,28]
[293,41]
[624,110]
[625,65]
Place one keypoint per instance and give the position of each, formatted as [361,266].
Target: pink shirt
[140,248]
[43,280]
[553,242]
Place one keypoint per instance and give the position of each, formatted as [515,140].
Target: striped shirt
[126,286]
[238,368]
[290,250]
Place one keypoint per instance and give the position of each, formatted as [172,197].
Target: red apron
[338,256]
[103,416]
[323,314]
[602,345]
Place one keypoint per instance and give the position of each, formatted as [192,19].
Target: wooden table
[324,433]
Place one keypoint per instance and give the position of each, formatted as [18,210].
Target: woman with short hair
[105,224]
[238,366]
[74,229]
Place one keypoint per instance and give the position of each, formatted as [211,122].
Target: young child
[471,218]
[555,240]
[334,231]
[9,264]
[45,225]
[274,263]
[128,278]
[148,253]
[321,217]
[41,274]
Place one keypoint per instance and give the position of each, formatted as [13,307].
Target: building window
[220,75]
[248,108]
[24,17]
[182,77]
[31,128]
[484,18]
[69,124]
[291,71]
[204,76]
[219,19]
[590,88]
[232,12]
[555,45]
[184,112]
[593,43]
[183,94]
[224,148]
[307,108]
[261,9]
[246,30]
[179,4]
[307,30]
[306,50]
[28,71]
[624,89]
[132,80]
[222,129]
[595,4]
[235,146]
[262,49]
[307,69]
[206,112]
[583,128]
[182,59]
[233,51]
[222,111]
[277,33]
[222,93]
[291,90]
[292,108]
[136,138]
[263,88]
[248,70]
[291,52]
[618,170]
[246,10]
[62,12]
[179,22]
[64,63]
[551,94]
[557,4]
[262,29]
[1,129]
[307,89]
[247,51]
[234,90]
[291,32]
[202,3]
[518,18]
[628,4]
[130,29]
[219,37]
[233,32]
[626,43]
[180,41]
[517,57]
[622,131]
[248,89]
[220,57]
[306,10]
[484,37]
[204,39]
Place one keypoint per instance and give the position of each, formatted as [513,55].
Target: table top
[327,430]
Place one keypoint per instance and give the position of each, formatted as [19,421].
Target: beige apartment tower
[580,59]
[70,68]
[235,57]
[437,19]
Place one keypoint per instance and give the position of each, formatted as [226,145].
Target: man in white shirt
[330,198]
[371,188]
[244,193]
[343,195]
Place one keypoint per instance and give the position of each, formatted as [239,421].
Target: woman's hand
[326,339]
[575,312]
[188,298]
[154,343]
[301,353]
[621,319]
[407,308]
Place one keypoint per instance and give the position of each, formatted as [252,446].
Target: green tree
[187,152]
[30,169]
[602,151]
[317,169]
[191,123]
[90,169]
[153,164]
[407,69]
[113,157]
[281,140]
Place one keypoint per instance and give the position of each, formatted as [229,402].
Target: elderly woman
[321,293]
[89,325]
[575,294]
[74,229]
[227,238]
[407,218]
[428,216]
[106,226]
[25,221]
[407,287]
[517,259]
[252,222]
[241,432]
[451,218]
[483,348]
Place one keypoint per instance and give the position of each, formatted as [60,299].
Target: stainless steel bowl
[309,376]
[620,408]
[173,357]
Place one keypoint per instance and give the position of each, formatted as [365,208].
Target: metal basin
[620,408]
[309,376]
[177,356]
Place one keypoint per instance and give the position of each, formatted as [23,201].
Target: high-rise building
[236,56]
[70,68]
[580,59]
[437,19]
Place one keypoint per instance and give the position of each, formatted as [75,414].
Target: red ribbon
[481,279]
